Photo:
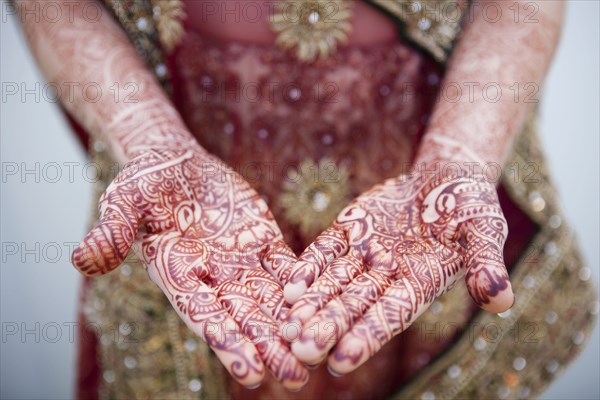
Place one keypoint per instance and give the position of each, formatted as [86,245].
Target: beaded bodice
[309,137]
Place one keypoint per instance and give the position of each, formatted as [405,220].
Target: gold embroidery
[313,195]
[312,27]
[431,24]
[140,19]
[169,15]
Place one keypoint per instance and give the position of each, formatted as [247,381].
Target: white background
[55,214]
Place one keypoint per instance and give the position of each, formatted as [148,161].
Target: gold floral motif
[312,27]
[314,194]
[168,15]
[431,24]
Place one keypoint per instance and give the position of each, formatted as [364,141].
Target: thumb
[277,258]
[486,277]
[328,246]
[105,247]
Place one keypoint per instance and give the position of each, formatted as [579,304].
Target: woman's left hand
[389,255]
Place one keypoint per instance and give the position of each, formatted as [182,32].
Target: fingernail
[293,291]
[252,387]
[332,372]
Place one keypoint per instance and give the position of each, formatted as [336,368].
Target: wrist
[440,157]
[147,126]
[438,148]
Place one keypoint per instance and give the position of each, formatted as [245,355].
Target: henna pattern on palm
[199,229]
[201,232]
[389,255]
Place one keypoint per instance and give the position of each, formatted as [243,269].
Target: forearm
[102,81]
[499,68]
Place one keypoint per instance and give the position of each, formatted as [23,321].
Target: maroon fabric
[82,135]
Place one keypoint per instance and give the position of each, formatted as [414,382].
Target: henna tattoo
[331,244]
[417,235]
[103,82]
[483,99]
[410,239]
[386,258]
[199,229]
[201,239]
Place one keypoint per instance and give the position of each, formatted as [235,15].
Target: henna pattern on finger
[329,285]
[418,235]
[201,239]
[331,244]
[193,222]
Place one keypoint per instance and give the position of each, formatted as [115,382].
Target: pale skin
[200,230]
[404,242]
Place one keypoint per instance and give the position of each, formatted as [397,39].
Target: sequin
[294,94]
[229,128]
[125,269]
[454,371]
[550,248]
[578,338]
[384,90]
[433,79]
[142,24]
[161,70]
[109,376]
[524,392]
[263,133]
[480,344]
[551,317]
[130,362]
[503,392]
[552,366]
[327,139]
[99,146]
[585,273]
[528,282]
[190,345]
[195,385]
[125,329]
[424,24]
[536,201]
[313,17]
[519,363]
[206,81]
[436,307]
[555,221]
[320,201]
[427,396]
[106,339]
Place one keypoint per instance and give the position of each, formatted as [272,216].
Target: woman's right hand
[201,232]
